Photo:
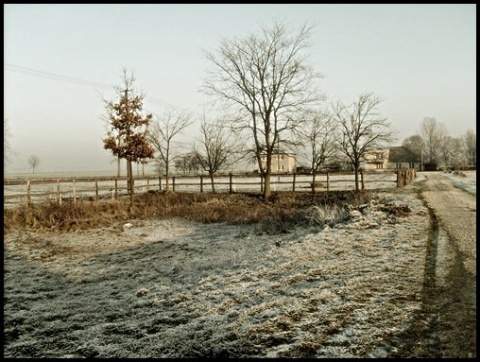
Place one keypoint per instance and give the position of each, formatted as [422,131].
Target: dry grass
[281,212]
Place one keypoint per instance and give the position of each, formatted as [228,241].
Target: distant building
[282,162]
[391,158]
[376,159]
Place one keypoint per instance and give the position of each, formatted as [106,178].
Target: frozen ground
[181,289]
[467,183]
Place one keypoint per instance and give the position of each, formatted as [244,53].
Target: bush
[330,215]
[280,213]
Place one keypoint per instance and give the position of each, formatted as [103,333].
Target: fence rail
[101,188]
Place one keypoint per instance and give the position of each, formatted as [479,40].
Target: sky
[61,60]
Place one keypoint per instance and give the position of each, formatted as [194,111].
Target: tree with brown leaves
[127,137]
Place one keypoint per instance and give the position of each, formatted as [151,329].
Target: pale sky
[60,60]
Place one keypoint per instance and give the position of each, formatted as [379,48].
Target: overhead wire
[78,81]
[53,76]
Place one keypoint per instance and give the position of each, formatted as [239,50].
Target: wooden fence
[404,177]
[94,189]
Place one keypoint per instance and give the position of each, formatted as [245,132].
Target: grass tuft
[278,214]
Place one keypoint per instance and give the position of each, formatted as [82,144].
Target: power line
[63,78]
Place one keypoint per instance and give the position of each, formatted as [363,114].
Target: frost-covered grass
[347,283]
[466,180]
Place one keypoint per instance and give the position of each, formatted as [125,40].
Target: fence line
[404,177]
[116,187]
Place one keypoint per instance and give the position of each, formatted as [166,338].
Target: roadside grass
[280,213]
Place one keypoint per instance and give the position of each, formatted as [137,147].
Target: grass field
[226,275]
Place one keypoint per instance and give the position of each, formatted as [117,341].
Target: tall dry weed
[279,214]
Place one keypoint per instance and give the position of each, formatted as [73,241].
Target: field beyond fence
[34,190]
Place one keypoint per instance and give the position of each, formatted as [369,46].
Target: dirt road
[446,324]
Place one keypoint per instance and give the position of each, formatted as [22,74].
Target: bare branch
[432,133]
[217,147]
[362,128]
[162,132]
[265,82]
[34,161]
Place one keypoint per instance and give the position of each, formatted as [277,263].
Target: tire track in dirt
[446,324]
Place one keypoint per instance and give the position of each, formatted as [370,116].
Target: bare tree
[265,80]
[188,162]
[159,166]
[470,147]
[414,144]
[458,159]
[432,134]
[34,161]
[362,128]
[447,150]
[117,160]
[318,134]
[162,133]
[217,147]
[127,137]
[142,162]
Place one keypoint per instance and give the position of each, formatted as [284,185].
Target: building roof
[402,154]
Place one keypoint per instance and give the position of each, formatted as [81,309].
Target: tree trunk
[211,180]
[118,166]
[166,177]
[130,181]
[266,188]
[356,177]
[313,182]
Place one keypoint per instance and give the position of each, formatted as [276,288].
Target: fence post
[201,184]
[74,192]
[230,182]
[159,183]
[29,200]
[96,190]
[398,178]
[294,177]
[59,196]
[173,183]
[328,182]
[361,178]
[116,188]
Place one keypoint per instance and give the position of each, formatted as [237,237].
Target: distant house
[391,158]
[376,159]
[282,162]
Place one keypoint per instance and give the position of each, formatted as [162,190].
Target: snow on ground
[172,288]
[467,183]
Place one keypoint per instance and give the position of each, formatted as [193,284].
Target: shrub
[280,213]
[330,215]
